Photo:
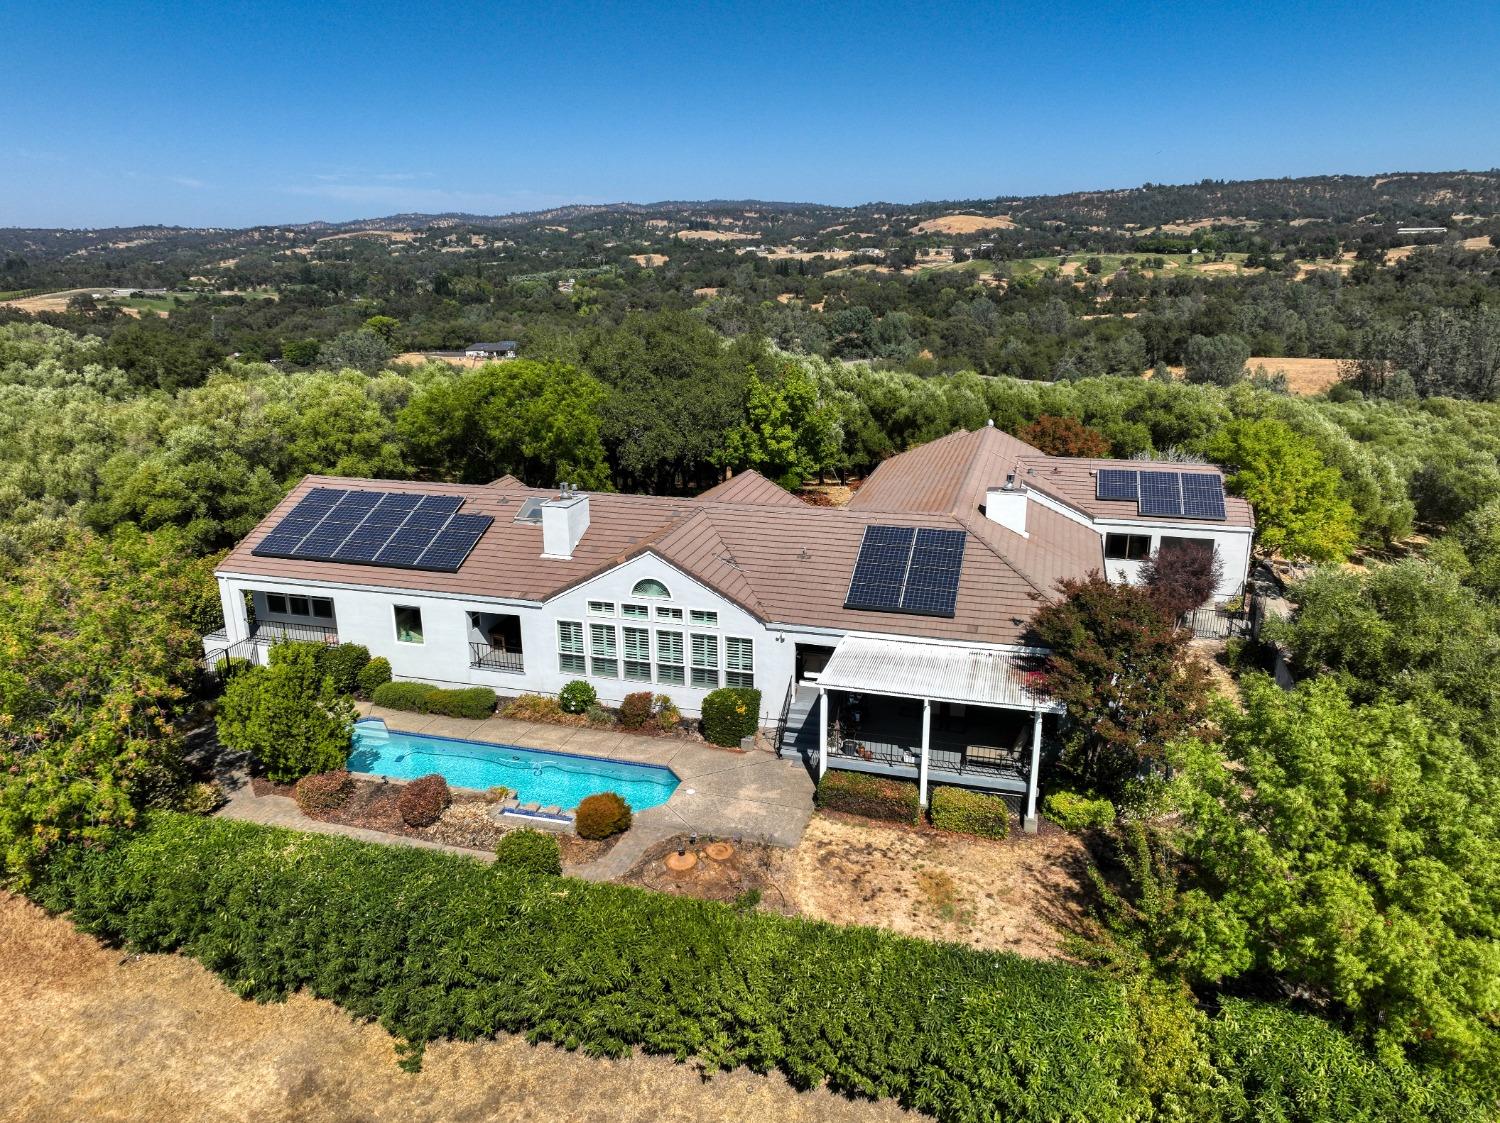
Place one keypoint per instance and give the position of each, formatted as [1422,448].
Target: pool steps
[534,814]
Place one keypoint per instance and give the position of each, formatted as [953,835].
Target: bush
[423,801]
[667,714]
[325,791]
[342,663]
[535,707]
[874,797]
[599,715]
[226,669]
[730,714]
[376,673]
[599,816]
[1074,812]
[420,698]
[275,911]
[958,809]
[636,710]
[202,798]
[288,716]
[577,697]
[529,851]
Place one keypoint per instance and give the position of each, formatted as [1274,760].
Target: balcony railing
[272,631]
[494,659]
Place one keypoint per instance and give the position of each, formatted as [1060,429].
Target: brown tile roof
[1072,481]
[750,486]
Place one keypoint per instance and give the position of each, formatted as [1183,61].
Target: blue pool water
[535,776]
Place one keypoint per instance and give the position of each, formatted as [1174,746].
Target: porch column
[236,620]
[926,744]
[1030,824]
[822,732]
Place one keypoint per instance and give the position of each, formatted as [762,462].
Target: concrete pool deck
[724,793]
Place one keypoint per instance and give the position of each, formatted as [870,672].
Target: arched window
[651,587]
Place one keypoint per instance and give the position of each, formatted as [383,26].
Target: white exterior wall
[367,616]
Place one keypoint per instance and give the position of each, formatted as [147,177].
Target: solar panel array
[1189,495]
[907,569]
[397,529]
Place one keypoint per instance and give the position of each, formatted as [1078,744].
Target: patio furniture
[993,756]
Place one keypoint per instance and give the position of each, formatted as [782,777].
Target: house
[887,637]
[506,349]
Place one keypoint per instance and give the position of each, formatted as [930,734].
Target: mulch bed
[752,866]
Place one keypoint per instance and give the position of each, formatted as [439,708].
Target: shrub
[529,851]
[958,809]
[419,697]
[601,815]
[874,797]
[226,669]
[202,798]
[287,716]
[730,714]
[343,663]
[534,707]
[667,713]
[635,710]
[423,801]
[599,715]
[375,674]
[850,1007]
[324,791]
[1074,812]
[577,697]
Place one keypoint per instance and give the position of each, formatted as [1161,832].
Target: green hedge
[436,945]
[376,673]
[958,809]
[875,797]
[343,663]
[730,714]
[1074,812]
[529,851]
[419,698]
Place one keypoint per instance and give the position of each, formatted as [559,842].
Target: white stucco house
[888,636]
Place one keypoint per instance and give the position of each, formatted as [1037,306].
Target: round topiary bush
[375,674]
[323,791]
[529,851]
[602,815]
[731,713]
[577,697]
[343,663]
[423,801]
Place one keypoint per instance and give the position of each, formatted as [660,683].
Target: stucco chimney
[564,519]
[1007,505]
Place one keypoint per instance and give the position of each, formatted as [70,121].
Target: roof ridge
[984,539]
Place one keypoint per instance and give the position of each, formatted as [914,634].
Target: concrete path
[723,793]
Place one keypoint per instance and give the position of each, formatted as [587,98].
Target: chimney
[1007,505]
[564,519]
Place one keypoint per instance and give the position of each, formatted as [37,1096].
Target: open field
[649,260]
[963,224]
[417,358]
[1111,262]
[1303,376]
[714,236]
[48,301]
[93,1033]
[1483,242]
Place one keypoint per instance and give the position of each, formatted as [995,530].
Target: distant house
[505,349]
[1421,230]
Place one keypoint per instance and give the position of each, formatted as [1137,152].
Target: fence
[1217,622]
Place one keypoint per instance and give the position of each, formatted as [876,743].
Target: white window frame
[665,594]
[676,671]
[747,674]
[396,626]
[640,612]
[582,654]
[706,668]
[612,634]
[703,617]
[602,608]
[673,614]
[625,658]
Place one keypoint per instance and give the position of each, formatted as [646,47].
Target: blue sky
[241,113]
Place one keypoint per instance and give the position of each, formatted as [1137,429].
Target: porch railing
[1216,622]
[942,756]
[493,659]
[272,631]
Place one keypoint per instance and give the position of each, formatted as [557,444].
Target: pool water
[547,778]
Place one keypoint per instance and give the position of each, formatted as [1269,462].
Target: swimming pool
[558,779]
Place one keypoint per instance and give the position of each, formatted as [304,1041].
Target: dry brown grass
[1480,243]
[49,301]
[1303,376]
[386,235]
[714,236]
[417,358]
[95,1034]
[964,224]
[649,260]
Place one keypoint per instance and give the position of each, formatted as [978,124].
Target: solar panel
[376,528]
[1161,493]
[907,569]
[1115,483]
[1202,496]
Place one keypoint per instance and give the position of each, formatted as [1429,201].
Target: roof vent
[990,424]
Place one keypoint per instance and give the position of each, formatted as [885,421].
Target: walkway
[723,794]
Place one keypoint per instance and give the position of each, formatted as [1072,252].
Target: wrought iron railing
[273,630]
[494,659]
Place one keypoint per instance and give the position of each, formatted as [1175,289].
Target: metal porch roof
[943,672]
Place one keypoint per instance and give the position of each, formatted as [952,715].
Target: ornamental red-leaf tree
[1126,676]
[1064,436]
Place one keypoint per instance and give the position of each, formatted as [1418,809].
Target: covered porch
[936,713]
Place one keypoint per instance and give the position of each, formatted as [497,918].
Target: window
[703,618]
[669,658]
[570,647]
[739,661]
[276,603]
[322,608]
[1127,547]
[530,512]
[1204,544]
[635,612]
[605,661]
[706,661]
[408,623]
[299,606]
[601,608]
[637,642]
[650,587]
[669,614]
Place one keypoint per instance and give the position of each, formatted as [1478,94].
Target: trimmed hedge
[730,714]
[968,812]
[529,851]
[436,945]
[1074,812]
[420,698]
[376,673]
[874,797]
[343,663]
[601,815]
[423,801]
